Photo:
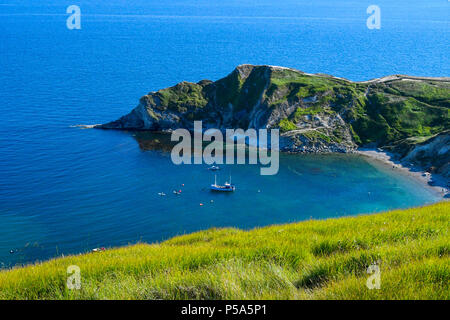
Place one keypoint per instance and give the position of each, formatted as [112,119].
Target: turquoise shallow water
[67,190]
[88,198]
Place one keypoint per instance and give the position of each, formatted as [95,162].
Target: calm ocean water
[66,190]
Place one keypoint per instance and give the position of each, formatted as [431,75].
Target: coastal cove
[65,189]
[118,203]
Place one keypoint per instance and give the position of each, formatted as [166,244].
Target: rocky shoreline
[434,181]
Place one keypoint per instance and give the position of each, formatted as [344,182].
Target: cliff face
[432,154]
[315,113]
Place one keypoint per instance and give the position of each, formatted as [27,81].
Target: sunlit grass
[324,259]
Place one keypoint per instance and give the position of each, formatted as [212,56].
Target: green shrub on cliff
[286,125]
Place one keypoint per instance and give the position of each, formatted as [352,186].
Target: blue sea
[65,190]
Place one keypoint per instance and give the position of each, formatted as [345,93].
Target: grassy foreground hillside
[309,260]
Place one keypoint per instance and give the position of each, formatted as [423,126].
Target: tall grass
[324,259]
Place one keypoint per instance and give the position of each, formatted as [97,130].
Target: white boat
[214,168]
[226,187]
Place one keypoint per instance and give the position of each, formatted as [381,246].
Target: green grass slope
[325,259]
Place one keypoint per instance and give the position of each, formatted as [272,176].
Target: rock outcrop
[315,113]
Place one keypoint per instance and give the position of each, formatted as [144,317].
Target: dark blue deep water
[66,190]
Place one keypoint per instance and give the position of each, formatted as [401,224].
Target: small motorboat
[214,168]
[226,187]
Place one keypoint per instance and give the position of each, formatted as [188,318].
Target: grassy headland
[380,111]
[324,259]
[314,112]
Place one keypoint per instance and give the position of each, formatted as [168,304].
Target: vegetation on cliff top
[181,97]
[378,112]
[325,259]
